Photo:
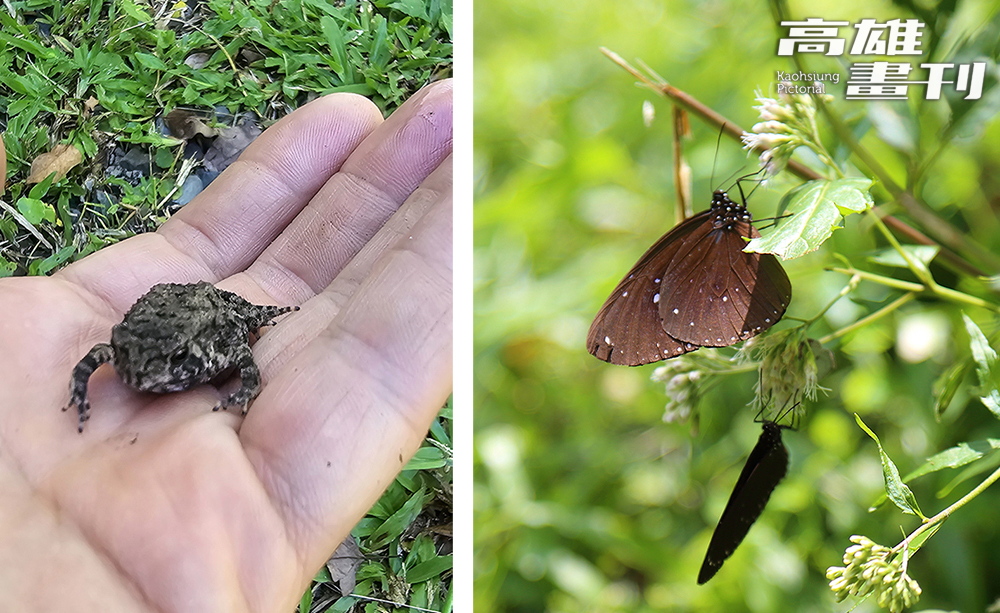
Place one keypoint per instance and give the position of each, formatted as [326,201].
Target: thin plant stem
[943,515]
[919,270]
[864,321]
[935,289]
[906,286]
[847,289]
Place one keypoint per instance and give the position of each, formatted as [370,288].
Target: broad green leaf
[987,367]
[35,210]
[305,603]
[895,489]
[7,267]
[151,61]
[134,11]
[38,191]
[920,254]
[413,8]
[817,209]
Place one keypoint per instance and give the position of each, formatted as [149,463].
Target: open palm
[163,505]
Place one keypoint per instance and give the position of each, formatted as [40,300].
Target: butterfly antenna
[718,142]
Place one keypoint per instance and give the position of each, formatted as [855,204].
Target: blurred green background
[584,499]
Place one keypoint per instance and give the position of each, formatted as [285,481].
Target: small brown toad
[178,336]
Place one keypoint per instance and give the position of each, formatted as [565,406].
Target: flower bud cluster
[682,377]
[791,365]
[786,123]
[869,571]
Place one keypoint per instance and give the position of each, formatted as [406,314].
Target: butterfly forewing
[627,330]
[765,468]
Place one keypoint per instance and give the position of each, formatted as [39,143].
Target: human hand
[163,505]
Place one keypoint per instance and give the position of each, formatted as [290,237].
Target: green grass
[401,538]
[98,74]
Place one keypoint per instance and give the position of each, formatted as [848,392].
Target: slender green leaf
[338,50]
[429,569]
[394,526]
[895,489]
[987,368]
[44,266]
[948,384]
[426,458]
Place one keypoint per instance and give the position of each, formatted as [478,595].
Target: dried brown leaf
[229,145]
[60,160]
[344,564]
[185,124]
[197,60]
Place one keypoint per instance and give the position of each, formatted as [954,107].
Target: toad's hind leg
[249,382]
[100,354]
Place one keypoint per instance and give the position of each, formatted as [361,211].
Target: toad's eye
[179,356]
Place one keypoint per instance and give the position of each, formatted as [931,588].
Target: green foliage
[399,540]
[97,74]
[987,366]
[584,499]
[897,491]
[816,209]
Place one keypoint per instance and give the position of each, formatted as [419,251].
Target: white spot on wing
[656,297]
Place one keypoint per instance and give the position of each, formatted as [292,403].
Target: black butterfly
[766,466]
[695,287]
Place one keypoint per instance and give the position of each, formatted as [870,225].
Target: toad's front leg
[100,354]
[249,382]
